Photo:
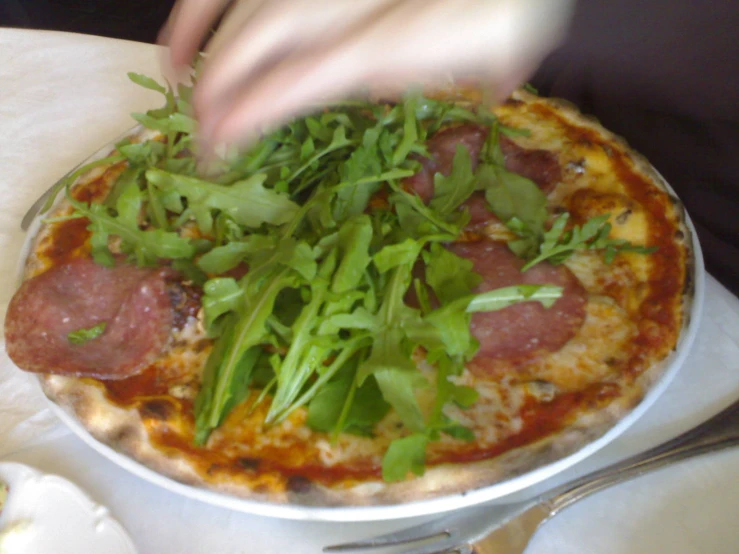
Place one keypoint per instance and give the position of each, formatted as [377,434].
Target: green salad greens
[81,336]
[333,244]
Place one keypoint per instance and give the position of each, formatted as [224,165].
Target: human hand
[273,59]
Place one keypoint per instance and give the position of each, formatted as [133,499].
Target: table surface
[62,96]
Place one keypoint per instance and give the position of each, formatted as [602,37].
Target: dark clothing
[127,19]
[664,74]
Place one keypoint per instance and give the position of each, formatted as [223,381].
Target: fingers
[254,41]
[247,39]
[187,26]
[274,59]
[292,87]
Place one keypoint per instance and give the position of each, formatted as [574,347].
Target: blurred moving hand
[271,60]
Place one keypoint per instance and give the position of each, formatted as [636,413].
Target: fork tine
[443,545]
[441,531]
[445,549]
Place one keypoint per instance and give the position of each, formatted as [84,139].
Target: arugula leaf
[353,195]
[223,258]
[245,328]
[353,350]
[242,334]
[511,196]
[354,241]
[448,366]
[238,386]
[143,153]
[398,378]
[404,456]
[222,295]
[492,153]
[560,243]
[391,364]
[449,326]
[302,358]
[437,222]
[498,299]
[338,140]
[394,255]
[450,192]
[81,336]
[458,431]
[247,201]
[450,276]
[146,246]
[364,406]
[146,82]
[174,123]
[410,132]
[228,256]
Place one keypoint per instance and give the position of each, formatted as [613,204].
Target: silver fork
[479,532]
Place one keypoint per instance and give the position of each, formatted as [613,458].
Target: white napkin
[25,419]
[53,119]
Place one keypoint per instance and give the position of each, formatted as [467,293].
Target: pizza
[379,303]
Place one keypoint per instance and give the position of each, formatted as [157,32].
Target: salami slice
[443,146]
[132,302]
[523,330]
[479,209]
[541,166]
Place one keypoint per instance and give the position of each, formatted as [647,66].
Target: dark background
[127,19]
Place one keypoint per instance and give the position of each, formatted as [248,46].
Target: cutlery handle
[719,432]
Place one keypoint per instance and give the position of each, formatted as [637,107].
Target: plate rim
[495,493]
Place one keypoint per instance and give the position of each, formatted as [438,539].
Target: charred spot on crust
[122,434]
[158,408]
[249,463]
[299,484]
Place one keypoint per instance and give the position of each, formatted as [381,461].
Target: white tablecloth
[61,97]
